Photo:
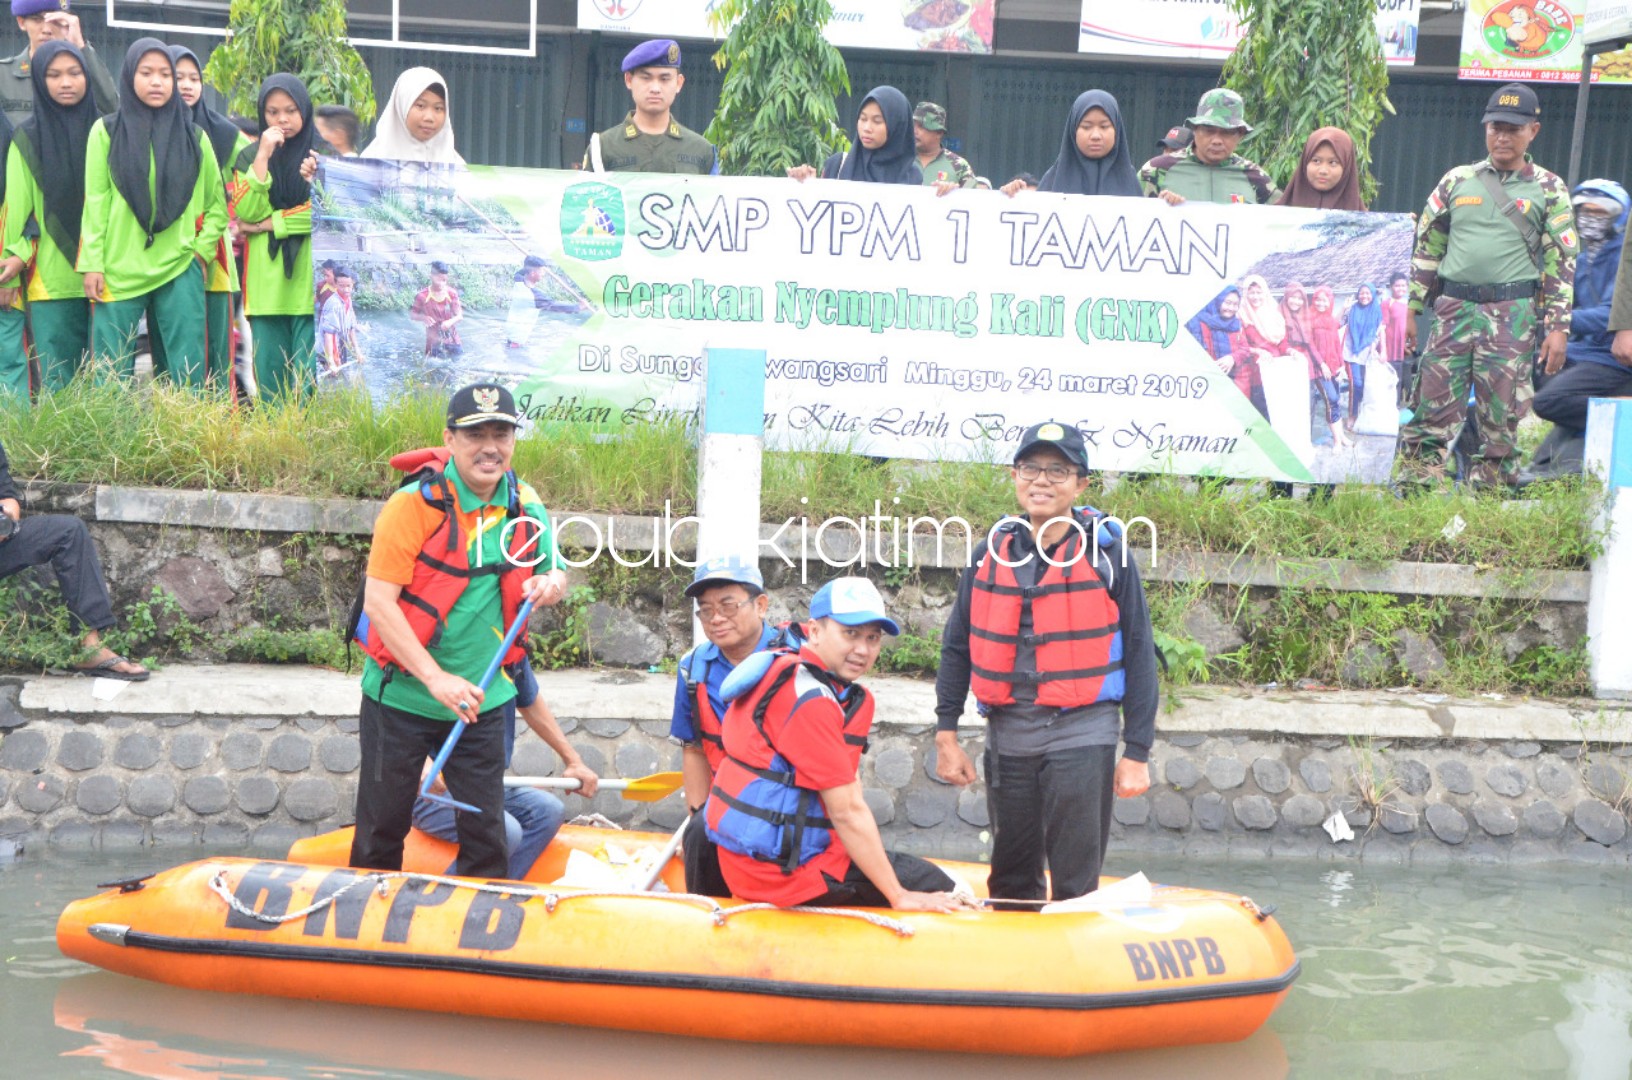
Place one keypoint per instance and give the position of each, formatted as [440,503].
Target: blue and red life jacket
[757,807]
[1075,625]
[442,569]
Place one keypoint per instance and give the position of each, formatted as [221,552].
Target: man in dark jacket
[63,541]
[1590,368]
[1051,632]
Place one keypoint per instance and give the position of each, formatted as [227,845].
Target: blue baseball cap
[727,570]
[23,8]
[661,53]
[852,601]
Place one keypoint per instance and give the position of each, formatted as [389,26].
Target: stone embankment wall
[118,779]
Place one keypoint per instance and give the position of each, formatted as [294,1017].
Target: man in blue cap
[787,810]
[650,139]
[42,21]
[731,605]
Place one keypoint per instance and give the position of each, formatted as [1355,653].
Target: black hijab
[161,141]
[289,189]
[1075,173]
[52,144]
[223,133]
[896,162]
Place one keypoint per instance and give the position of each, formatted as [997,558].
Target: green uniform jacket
[16,282]
[54,275]
[113,243]
[1462,236]
[17,88]
[1620,312]
[1237,180]
[266,290]
[222,273]
[625,148]
[949,167]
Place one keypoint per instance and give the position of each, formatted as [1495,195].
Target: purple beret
[661,53]
[22,8]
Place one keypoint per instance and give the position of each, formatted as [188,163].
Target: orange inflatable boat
[1183,966]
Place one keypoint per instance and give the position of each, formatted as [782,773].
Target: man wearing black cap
[650,139]
[1051,631]
[1495,257]
[1177,138]
[42,21]
[455,553]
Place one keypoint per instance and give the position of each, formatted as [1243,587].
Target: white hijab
[392,139]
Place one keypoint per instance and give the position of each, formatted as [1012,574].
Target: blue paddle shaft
[446,752]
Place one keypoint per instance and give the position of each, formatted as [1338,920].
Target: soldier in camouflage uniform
[939,165]
[1209,170]
[1496,288]
[42,21]
[650,139]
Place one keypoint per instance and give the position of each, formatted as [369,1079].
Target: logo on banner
[592,222]
[617,10]
[1528,29]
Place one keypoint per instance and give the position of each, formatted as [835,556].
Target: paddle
[641,789]
[664,856]
[459,725]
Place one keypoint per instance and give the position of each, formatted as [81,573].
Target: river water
[1456,971]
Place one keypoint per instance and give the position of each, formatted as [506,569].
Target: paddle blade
[654,787]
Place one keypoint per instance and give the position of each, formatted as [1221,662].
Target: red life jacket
[1075,628]
[442,568]
[757,806]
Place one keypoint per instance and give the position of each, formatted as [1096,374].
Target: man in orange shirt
[453,558]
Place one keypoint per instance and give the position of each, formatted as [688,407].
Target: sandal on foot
[108,669]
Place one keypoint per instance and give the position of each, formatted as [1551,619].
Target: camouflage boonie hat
[1221,108]
[930,116]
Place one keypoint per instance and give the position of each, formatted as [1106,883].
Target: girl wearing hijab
[1299,314]
[1218,328]
[274,207]
[13,356]
[221,275]
[1328,177]
[881,149]
[414,123]
[1265,332]
[45,181]
[1326,358]
[155,212]
[1362,344]
[1093,156]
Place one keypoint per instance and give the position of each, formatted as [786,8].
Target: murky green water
[1445,972]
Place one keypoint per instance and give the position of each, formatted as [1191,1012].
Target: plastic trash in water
[1337,827]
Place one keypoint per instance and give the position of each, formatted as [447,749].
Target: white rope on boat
[596,821]
[552,900]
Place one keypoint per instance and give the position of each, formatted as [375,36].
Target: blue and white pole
[728,459]
[1609,631]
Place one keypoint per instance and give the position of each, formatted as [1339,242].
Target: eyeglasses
[725,609]
[1056,473]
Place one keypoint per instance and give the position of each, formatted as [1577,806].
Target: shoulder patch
[1472,200]
[1567,239]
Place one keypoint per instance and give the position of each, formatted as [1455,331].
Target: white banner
[941,25]
[895,323]
[1210,30]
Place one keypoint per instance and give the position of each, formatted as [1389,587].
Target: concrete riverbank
[249,754]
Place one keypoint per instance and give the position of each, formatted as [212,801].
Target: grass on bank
[339,444]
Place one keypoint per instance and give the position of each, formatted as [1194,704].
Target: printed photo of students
[528,301]
[150,179]
[1396,320]
[1299,316]
[221,286]
[437,307]
[1265,332]
[337,324]
[14,370]
[273,201]
[1218,328]
[1363,349]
